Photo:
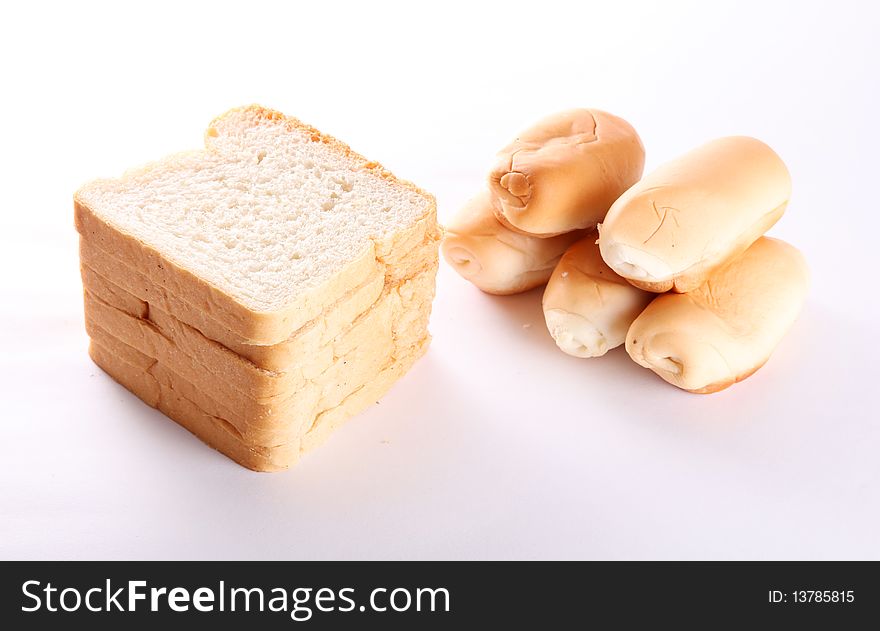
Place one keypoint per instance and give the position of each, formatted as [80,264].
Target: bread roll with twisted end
[721,333]
[565,171]
[588,308]
[694,214]
[494,258]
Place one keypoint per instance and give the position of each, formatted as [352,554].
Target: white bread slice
[152,302]
[588,308]
[222,435]
[265,227]
[495,258]
[694,214]
[725,330]
[398,319]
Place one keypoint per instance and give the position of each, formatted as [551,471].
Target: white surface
[496,444]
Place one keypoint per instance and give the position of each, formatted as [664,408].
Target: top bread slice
[264,228]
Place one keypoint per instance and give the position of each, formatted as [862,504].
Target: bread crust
[213,431]
[126,288]
[397,318]
[220,434]
[718,386]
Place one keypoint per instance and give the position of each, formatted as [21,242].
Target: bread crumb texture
[269,210]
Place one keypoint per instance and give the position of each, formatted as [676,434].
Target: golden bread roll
[722,332]
[565,171]
[694,214]
[588,308]
[494,258]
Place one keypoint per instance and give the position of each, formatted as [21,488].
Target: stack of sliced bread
[259,291]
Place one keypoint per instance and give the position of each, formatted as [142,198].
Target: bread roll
[694,214]
[724,331]
[588,308]
[565,171]
[494,258]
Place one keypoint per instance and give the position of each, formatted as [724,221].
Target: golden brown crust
[718,386]
[401,314]
[264,424]
[220,434]
[126,288]
[213,431]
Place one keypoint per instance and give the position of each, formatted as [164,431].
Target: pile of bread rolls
[673,265]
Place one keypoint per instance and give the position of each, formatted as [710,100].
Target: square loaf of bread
[261,290]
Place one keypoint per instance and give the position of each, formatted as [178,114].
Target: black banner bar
[437,595]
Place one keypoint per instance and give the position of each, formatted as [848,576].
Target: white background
[495,445]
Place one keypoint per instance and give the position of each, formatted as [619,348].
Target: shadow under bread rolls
[694,214]
[564,172]
[725,330]
[588,308]
[494,258]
